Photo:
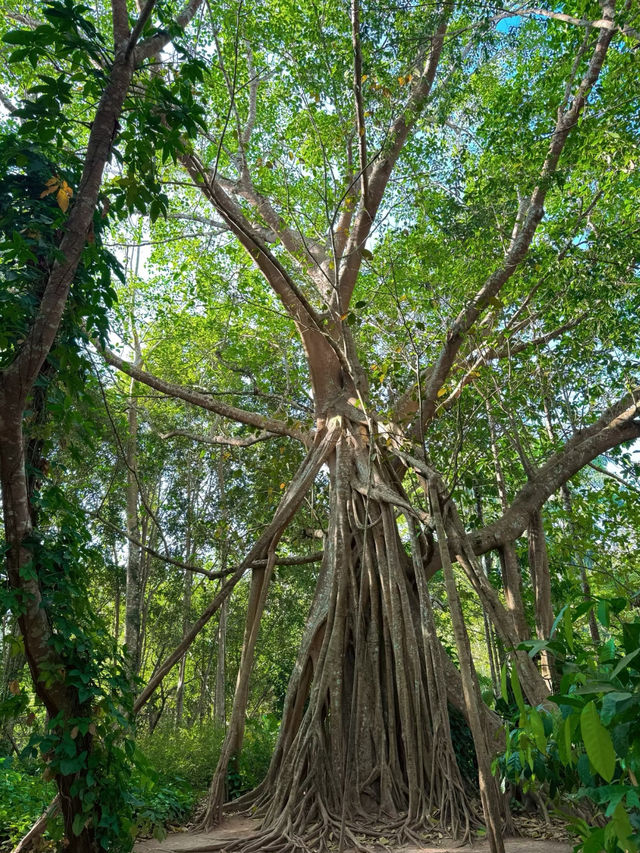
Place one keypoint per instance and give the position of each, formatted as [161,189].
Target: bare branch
[618,425]
[299,308]
[310,253]
[600,24]
[380,171]
[357,93]
[613,476]
[508,350]
[287,508]
[229,440]
[7,103]
[152,46]
[245,136]
[143,17]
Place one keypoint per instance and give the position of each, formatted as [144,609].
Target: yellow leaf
[63,200]
[363,78]
[401,80]
[282,485]
[442,392]
[52,185]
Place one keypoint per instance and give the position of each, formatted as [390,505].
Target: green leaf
[623,829]
[567,625]
[537,729]
[594,843]
[603,612]
[78,824]
[612,704]
[597,742]
[564,742]
[504,692]
[626,660]
[515,686]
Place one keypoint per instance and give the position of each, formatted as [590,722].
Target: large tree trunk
[365,740]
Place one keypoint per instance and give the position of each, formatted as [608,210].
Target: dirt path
[197,842]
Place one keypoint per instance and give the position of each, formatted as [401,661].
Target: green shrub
[158,803]
[252,765]
[23,798]
[187,754]
[587,743]
[191,755]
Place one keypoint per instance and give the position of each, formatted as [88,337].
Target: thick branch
[203,401]
[228,440]
[324,354]
[600,24]
[152,46]
[379,174]
[619,424]
[287,508]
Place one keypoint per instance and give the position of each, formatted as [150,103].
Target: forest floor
[234,827]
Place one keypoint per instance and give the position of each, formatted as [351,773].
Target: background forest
[319,408]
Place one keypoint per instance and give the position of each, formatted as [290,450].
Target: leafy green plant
[253,762]
[587,743]
[158,802]
[23,797]
[184,753]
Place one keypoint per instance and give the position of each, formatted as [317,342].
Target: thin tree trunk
[511,577]
[186,606]
[488,633]
[186,611]
[219,702]
[220,709]
[488,789]
[541,581]
[566,500]
[133,596]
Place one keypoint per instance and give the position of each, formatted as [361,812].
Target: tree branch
[380,172]
[600,24]
[357,94]
[152,46]
[229,440]
[120,21]
[618,425]
[203,401]
[566,120]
